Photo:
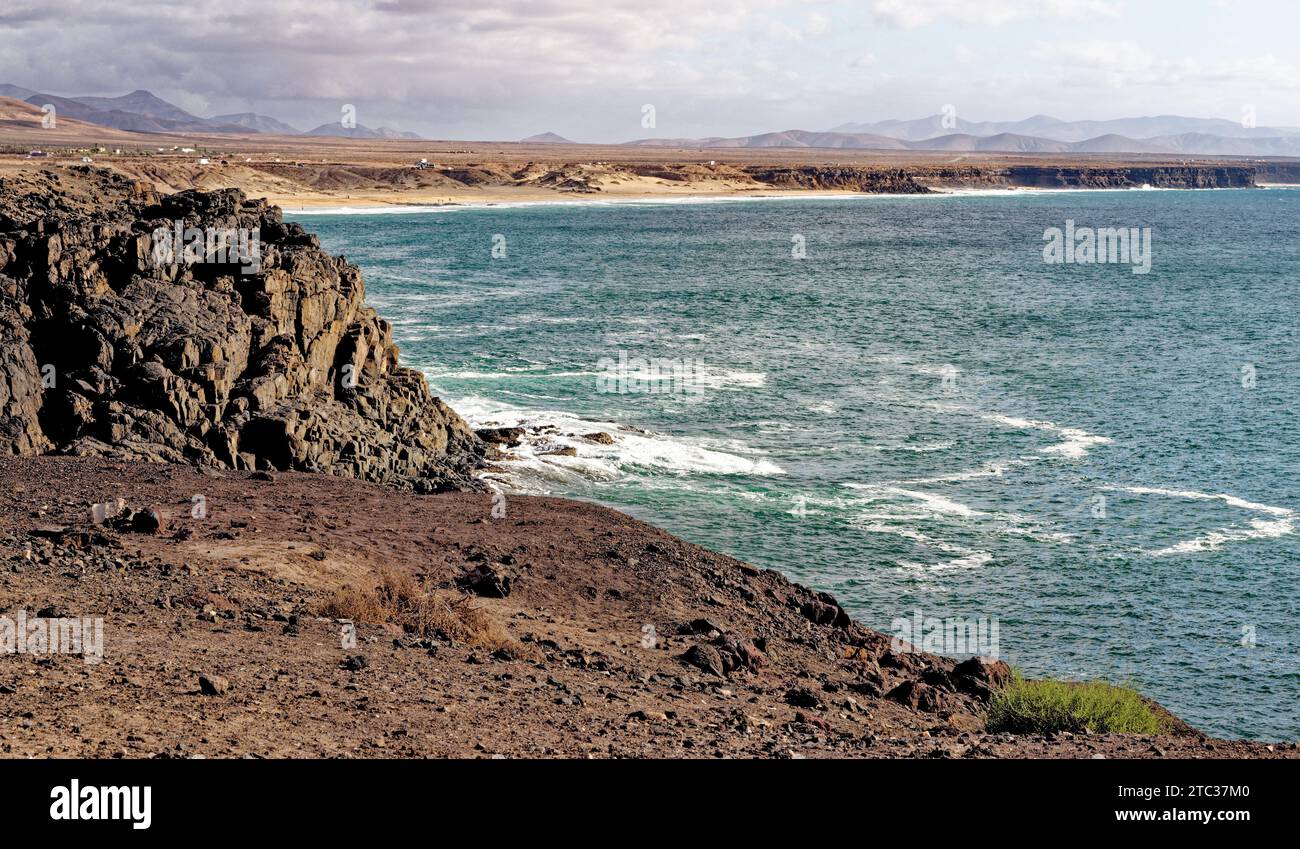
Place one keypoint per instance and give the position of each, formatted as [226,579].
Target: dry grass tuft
[400,600]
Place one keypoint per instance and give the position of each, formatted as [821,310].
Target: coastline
[396,204]
[743,662]
[366,179]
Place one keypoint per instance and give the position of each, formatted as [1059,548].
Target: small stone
[802,697]
[146,521]
[649,715]
[213,685]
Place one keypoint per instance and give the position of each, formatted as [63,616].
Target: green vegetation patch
[1029,707]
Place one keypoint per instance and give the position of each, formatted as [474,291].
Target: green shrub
[1027,707]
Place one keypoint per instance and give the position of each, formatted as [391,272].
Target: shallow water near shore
[920,414]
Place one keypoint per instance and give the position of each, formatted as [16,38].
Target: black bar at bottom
[329,798]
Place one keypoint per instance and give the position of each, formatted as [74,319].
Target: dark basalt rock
[485,580]
[507,436]
[981,677]
[105,353]
[705,658]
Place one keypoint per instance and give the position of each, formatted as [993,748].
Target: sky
[586,69]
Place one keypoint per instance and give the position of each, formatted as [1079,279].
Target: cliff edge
[201,328]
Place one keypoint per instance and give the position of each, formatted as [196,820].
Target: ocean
[898,400]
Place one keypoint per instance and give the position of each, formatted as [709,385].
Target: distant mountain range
[1045,126]
[252,122]
[143,112]
[358,132]
[1163,134]
[545,138]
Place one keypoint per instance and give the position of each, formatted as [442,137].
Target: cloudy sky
[503,69]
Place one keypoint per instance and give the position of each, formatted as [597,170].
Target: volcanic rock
[106,350]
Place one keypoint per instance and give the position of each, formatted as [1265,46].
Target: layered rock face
[1160,177]
[895,181]
[112,345]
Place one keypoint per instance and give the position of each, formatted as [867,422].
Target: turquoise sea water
[920,414]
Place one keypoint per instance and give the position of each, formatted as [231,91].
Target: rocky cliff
[116,342]
[919,179]
[1159,177]
[883,180]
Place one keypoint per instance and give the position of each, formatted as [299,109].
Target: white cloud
[909,14]
[1127,64]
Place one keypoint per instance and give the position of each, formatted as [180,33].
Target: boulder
[916,695]
[707,659]
[981,677]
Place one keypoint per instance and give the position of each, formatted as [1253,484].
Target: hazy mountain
[359,132]
[66,107]
[788,138]
[141,102]
[1045,126]
[17,92]
[256,123]
[93,110]
[1006,142]
[974,137]
[545,138]
[23,125]
[143,112]
[1203,143]
[1112,143]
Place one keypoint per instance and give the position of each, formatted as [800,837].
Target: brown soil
[557,667]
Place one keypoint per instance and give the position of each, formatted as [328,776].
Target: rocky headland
[107,351]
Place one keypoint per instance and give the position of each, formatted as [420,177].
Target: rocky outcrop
[919,179]
[894,181]
[107,350]
[1278,172]
[1160,177]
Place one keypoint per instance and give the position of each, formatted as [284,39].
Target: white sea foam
[534,468]
[991,469]
[1259,528]
[393,209]
[963,558]
[924,502]
[1074,443]
[1283,525]
[937,503]
[1231,500]
[515,373]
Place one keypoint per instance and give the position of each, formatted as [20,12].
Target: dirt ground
[598,612]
